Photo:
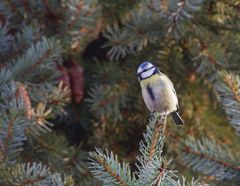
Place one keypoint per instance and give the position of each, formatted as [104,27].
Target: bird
[158,92]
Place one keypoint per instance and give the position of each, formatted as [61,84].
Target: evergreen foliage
[33,174]
[228,88]
[31,93]
[152,167]
[45,137]
[183,42]
[210,158]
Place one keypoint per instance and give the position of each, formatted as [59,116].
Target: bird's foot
[162,118]
[153,115]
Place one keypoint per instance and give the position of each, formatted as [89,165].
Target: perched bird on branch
[158,92]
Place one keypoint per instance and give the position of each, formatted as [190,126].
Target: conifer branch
[143,28]
[13,122]
[11,138]
[55,96]
[29,95]
[154,138]
[40,114]
[159,7]
[6,39]
[232,81]
[8,137]
[208,64]
[40,61]
[44,54]
[152,170]
[28,62]
[80,18]
[61,155]
[26,100]
[109,170]
[225,84]
[32,181]
[23,174]
[155,172]
[79,7]
[205,156]
[111,99]
[159,131]
[183,11]
[211,159]
[160,176]
[193,182]
[228,91]
[24,39]
[5,76]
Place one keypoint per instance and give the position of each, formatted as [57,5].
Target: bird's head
[146,70]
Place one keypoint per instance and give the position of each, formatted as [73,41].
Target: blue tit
[158,92]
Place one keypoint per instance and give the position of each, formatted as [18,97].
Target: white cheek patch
[139,70]
[147,73]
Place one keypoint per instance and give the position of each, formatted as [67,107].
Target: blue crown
[144,66]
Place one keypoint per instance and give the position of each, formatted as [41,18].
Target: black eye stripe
[145,70]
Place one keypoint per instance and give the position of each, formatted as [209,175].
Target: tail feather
[177,119]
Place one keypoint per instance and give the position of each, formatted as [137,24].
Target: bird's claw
[153,115]
[163,118]
[160,117]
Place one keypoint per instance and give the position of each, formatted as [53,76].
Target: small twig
[108,169]
[23,93]
[161,171]
[159,128]
[79,9]
[175,16]
[7,138]
[32,182]
[232,86]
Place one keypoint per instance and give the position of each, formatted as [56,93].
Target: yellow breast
[151,80]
